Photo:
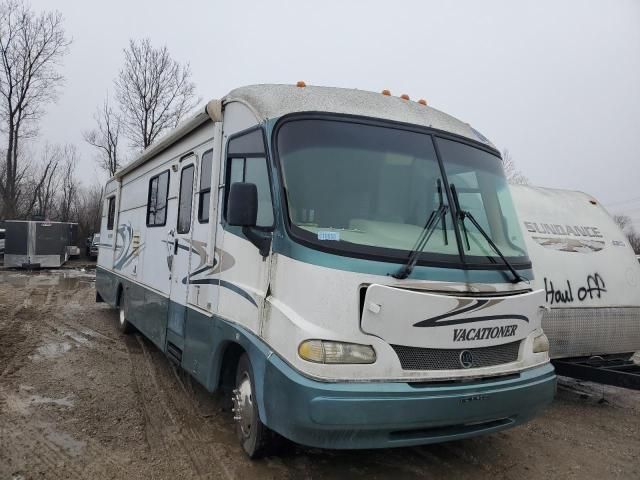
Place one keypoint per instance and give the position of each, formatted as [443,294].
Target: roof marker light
[422,101]
[404,96]
[386,92]
[301,84]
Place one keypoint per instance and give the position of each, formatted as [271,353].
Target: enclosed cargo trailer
[39,244]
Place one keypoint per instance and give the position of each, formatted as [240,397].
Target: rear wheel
[123,325]
[254,436]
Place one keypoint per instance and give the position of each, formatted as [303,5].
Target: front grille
[415,358]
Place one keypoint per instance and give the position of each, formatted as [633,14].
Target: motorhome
[347,265]
[39,244]
[588,271]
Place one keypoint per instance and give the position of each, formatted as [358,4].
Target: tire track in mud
[17,343]
[47,450]
[164,431]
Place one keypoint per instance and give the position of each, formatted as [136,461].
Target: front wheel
[123,325]
[254,436]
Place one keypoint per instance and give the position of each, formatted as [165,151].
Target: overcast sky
[555,82]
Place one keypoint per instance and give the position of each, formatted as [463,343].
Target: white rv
[347,264]
[588,271]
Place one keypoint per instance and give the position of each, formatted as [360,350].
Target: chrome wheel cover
[243,405]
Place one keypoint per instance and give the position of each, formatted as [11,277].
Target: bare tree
[68,192]
[105,137]
[626,225]
[42,186]
[623,222]
[32,46]
[89,209]
[514,176]
[154,92]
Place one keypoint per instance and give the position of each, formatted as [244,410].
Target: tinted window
[186,199]
[484,193]
[368,186]
[369,190]
[254,170]
[157,200]
[205,186]
[247,163]
[111,212]
[250,143]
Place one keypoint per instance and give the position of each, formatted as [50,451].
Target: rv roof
[273,101]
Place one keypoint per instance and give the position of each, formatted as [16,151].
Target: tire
[123,325]
[254,436]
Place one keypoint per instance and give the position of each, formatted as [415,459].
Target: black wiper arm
[425,235]
[516,276]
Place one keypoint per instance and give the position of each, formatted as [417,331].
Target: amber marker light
[386,92]
[404,96]
[422,101]
[301,84]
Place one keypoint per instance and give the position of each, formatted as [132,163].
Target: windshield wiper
[463,214]
[425,235]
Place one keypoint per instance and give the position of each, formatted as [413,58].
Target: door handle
[175,246]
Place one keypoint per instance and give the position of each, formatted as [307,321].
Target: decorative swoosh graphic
[224,284]
[566,244]
[464,307]
[199,248]
[125,255]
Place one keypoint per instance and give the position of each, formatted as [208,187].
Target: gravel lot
[79,400]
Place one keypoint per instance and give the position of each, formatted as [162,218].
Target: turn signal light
[540,344]
[301,84]
[325,351]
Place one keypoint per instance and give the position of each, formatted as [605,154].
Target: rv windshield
[368,190]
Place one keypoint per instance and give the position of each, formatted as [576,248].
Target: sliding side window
[247,162]
[186,199]
[111,212]
[204,195]
[157,200]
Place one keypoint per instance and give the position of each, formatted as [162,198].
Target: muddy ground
[79,400]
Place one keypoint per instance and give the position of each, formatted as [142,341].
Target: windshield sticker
[335,236]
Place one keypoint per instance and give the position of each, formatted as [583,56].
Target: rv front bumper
[390,414]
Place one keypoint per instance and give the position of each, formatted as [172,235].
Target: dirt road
[79,400]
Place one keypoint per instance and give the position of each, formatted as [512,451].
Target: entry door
[180,251]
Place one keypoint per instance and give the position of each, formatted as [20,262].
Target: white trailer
[591,279]
[347,264]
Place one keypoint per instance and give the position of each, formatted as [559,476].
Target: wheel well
[232,354]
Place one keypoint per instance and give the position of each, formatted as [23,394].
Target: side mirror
[242,205]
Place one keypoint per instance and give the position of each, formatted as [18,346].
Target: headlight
[325,351]
[540,344]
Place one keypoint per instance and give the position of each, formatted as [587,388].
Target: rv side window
[186,199]
[111,212]
[247,162]
[157,200]
[204,196]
